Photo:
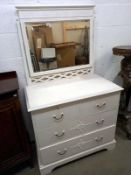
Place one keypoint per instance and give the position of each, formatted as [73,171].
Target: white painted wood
[63,75]
[48,168]
[23,54]
[67,2]
[74,119]
[49,132]
[43,96]
[59,126]
[75,116]
[76,145]
[52,12]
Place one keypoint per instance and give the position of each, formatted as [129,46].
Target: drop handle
[100,105]
[60,134]
[62,152]
[98,139]
[58,117]
[100,122]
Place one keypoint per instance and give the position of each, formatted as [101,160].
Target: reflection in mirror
[60,44]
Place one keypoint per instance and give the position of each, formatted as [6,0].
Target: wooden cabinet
[14,144]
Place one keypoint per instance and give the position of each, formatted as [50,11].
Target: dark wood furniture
[125,51]
[14,145]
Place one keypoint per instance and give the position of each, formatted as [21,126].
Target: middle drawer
[58,132]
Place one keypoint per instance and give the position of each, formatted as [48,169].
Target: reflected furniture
[48,56]
[65,54]
[125,51]
[73,111]
[14,145]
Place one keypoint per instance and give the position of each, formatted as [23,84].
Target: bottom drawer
[74,146]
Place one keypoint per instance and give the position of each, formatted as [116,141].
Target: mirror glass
[59,44]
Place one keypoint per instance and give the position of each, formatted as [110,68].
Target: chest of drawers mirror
[73,110]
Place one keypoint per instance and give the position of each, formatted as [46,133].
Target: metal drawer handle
[98,139]
[100,105]
[62,152]
[100,122]
[60,134]
[58,118]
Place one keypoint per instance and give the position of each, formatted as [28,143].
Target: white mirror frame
[53,13]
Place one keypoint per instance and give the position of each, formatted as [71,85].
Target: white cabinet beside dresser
[73,118]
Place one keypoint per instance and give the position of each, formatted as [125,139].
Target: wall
[113,26]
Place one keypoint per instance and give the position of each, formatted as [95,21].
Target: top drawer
[99,104]
[71,111]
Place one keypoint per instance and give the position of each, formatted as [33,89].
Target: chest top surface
[44,96]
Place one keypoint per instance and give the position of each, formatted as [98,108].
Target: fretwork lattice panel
[63,75]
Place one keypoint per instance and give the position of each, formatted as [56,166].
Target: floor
[115,162]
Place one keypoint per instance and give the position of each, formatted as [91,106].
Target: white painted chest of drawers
[72,119]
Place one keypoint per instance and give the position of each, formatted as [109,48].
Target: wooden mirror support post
[125,51]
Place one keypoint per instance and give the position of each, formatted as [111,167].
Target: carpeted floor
[115,162]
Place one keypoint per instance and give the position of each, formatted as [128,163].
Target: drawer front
[68,112]
[99,104]
[75,146]
[79,126]
[72,119]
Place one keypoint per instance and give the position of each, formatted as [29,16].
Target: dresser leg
[111,146]
[46,171]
